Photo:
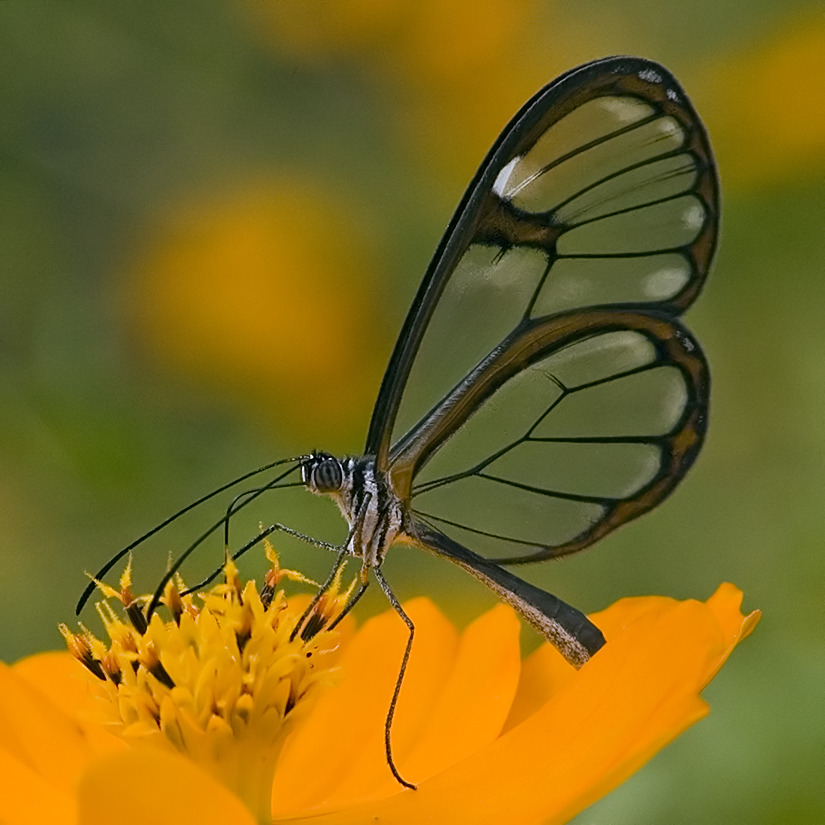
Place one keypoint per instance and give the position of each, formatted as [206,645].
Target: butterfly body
[377,518]
[373,511]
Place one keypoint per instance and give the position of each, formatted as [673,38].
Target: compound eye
[327,476]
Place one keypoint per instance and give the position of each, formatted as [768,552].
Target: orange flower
[487,738]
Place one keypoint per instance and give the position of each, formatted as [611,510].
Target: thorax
[374,513]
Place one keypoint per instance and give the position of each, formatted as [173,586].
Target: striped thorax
[374,513]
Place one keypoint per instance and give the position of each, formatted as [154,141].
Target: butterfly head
[322,473]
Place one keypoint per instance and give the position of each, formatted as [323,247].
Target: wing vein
[672,173]
[583,148]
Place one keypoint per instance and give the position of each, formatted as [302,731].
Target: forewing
[600,195]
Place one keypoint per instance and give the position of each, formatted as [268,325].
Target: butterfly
[542,391]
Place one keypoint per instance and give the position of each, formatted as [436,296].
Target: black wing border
[622,75]
[674,347]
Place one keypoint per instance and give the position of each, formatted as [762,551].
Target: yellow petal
[475,699]
[38,734]
[72,690]
[338,755]
[57,673]
[543,673]
[28,797]
[145,785]
[638,693]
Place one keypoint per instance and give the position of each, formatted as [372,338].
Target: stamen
[81,649]
[222,680]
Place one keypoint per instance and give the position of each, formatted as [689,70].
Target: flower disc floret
[222,680]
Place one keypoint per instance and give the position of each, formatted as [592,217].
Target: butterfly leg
[343,552]
[273,528]
[354,599]
[396,605]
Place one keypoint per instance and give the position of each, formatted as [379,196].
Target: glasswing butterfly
[542,391]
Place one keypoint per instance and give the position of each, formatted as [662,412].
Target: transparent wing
[596,208]
[579,423]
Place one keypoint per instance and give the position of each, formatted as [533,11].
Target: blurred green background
[213,217]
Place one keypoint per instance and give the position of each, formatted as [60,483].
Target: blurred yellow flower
[421,36]
[452,72]
[765,109]
[270,292]
[487,737]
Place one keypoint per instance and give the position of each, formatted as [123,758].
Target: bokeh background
[213,217]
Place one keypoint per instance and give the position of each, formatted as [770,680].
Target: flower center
[223,680]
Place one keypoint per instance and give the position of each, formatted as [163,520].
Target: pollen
[222,679]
